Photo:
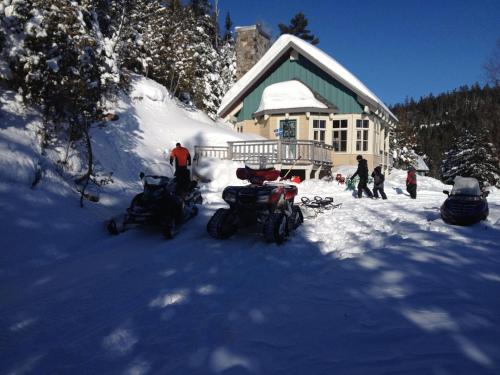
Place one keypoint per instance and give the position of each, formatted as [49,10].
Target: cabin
[296,94]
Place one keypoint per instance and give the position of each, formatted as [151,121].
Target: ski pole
[289,170]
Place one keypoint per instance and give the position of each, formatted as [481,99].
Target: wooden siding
[313,77]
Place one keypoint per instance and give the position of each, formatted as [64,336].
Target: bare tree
[492,65]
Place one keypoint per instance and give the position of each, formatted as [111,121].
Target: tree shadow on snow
[426,302]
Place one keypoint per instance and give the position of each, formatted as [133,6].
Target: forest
[457,132]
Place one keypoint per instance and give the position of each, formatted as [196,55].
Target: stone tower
[251,44]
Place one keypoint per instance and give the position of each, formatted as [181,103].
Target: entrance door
[288,132]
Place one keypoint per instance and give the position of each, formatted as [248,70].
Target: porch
[308,156]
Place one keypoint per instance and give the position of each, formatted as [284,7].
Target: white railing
[271,152]
[218,152]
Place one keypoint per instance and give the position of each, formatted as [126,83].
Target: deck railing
[271,152]
[218,152]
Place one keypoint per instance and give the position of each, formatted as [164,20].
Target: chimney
[251,44]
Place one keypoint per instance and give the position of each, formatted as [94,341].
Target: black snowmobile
[466,204]
[163,203]
[268,204]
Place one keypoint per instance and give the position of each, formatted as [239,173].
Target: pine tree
[13,18]
[228,26]
[472,156]
[298,27]
[200,7]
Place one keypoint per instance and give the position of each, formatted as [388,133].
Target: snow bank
[398,177]
[146,88]
[149,124]
[220,173]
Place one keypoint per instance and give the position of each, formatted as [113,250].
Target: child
[411,182]
[378,182]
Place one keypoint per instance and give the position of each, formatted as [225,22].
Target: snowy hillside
[371,287]
[150,122]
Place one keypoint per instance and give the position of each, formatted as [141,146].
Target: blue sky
[398,48]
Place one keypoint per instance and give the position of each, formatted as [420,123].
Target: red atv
[268,204]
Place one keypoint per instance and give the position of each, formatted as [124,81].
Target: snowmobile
[161,203]
[259,203]
[466,204]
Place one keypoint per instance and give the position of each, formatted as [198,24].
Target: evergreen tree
[298,27]
[60,66]
[471,156]
[200,7]
[228,26]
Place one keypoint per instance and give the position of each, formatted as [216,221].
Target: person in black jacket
[378,182]
[362,172]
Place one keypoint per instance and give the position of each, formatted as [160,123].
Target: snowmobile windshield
[156,180]
[466,186]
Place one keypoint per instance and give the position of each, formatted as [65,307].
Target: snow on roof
[287,95]
[320,58]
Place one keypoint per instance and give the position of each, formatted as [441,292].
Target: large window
[362,127]
[339,135]
[319,127]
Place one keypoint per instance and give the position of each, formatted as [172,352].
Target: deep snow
[372,287]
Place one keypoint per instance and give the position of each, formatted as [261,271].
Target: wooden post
[230,150]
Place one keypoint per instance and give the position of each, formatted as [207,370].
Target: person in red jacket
[182,159]
[411,182]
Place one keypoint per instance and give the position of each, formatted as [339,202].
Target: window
[362,127]
[319,127]
[339,135]
[288,129]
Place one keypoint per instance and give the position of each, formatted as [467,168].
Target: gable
[305,71]
[316,61]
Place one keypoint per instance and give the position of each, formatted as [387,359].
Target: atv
[161,203]
[466,204]
[263,203]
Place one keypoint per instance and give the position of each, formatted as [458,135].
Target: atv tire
[275,228]
[221,225]
[295,219]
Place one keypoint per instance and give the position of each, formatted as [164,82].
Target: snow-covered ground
[372,287]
